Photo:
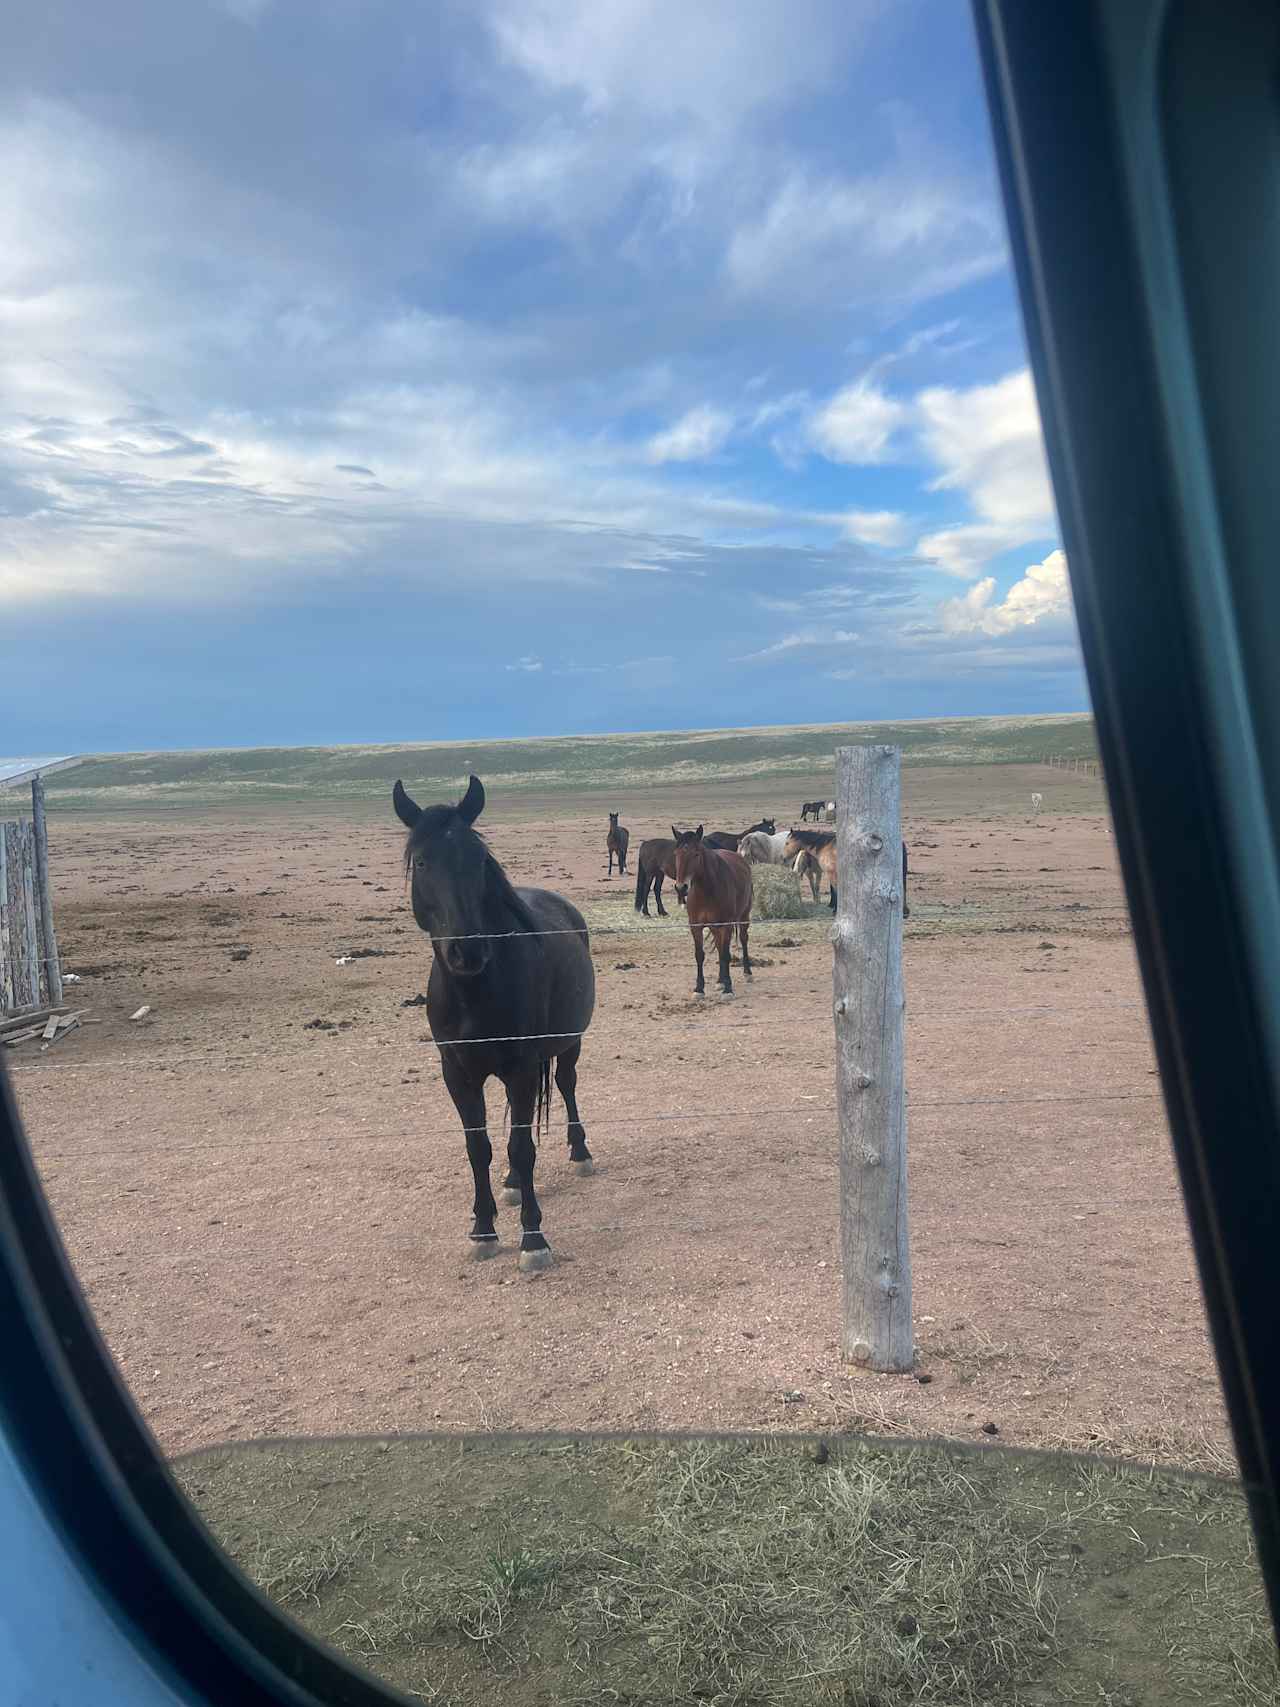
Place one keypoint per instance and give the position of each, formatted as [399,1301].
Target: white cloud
[698,434]
[530,664]
[858,424]
[904,234]
[802,639]
[985,442]
[1043,595]
[671,59]
[875,527]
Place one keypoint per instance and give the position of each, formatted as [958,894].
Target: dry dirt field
[265,1193]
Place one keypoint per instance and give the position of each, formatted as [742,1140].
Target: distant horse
[617,841]
[821,845]
[504,999]
[655,860]
[812,809]
[715,886]
[726,840]
[758,849]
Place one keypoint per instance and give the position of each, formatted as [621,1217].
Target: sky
[377,370]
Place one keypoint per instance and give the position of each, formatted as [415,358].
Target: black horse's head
[613,820]
[461,895]
[767,825]
[687,860]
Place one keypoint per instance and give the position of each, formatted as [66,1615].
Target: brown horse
[715,886]
[656,860]
[820,845]
[617,841]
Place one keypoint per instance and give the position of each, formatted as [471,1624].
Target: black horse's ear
[472,803]
[407,811]
[675,834]
[697,834]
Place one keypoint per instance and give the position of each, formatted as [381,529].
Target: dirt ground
[264,1188]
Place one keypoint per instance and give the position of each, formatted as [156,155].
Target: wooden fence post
[7,999]
[870,1084]
[49,942]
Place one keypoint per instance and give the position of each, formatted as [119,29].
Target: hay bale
[776,894]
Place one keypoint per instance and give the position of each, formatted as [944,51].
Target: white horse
[1037,801]
[761,849]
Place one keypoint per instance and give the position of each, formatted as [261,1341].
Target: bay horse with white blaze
[512,988]
[715,886]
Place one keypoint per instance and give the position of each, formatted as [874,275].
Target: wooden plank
[13,1022]
[870,1081]
[7,998]
[51,1030]
[44,893]
[20,1036]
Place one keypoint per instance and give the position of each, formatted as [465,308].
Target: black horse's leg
[567,1085]
[743,928]
[699,955]
[468,1099]
[610,859]
[833,897]
[522,1092]
[657,894]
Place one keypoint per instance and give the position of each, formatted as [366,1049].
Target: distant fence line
[30,976]
[1078,767]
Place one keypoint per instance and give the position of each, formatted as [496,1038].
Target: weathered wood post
[870,1083]
[49,942]
[7,999]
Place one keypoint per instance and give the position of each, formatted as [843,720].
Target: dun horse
[504,999]
[655,860]
[715,886]
[808,845]
[616,842]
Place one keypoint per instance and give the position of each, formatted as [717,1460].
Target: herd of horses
[512,985]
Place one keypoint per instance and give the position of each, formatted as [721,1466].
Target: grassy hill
[570,763]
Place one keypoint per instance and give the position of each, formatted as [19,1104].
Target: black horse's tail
[542,1113]
[641,885]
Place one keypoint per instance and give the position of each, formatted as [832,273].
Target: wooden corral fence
[871,1101]
[30,976]
[1078,767]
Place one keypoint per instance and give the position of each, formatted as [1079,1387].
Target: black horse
[728,841]
[812,809]
[512,987]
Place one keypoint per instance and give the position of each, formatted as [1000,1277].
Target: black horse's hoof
[582,1164]
[482,1245]
[510,1195]
[533,1257]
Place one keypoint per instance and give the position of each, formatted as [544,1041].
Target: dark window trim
[1090,127]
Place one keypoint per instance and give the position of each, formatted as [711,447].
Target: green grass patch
[751,1572]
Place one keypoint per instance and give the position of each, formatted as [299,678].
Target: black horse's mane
[812,838]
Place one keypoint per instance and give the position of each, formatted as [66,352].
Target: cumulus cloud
[699,433]
[858,424]
[1042,595]
[985,442]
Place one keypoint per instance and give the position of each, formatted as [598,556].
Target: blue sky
[379,371]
